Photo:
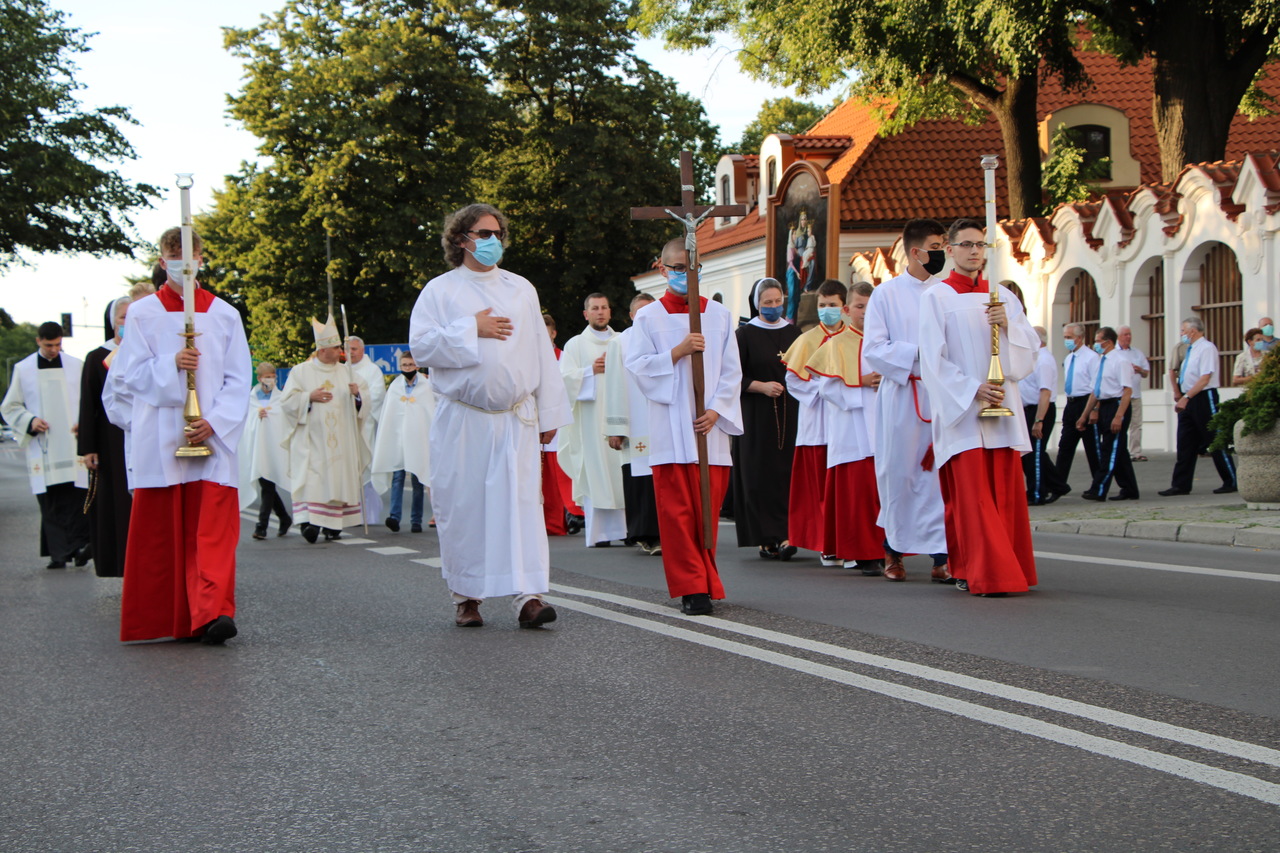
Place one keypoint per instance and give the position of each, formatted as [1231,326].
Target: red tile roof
[748,229]
[830,143]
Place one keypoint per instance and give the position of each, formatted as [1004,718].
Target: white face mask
[174,268]
[267,382]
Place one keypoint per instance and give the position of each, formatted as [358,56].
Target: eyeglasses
[969,244]
[681,267]
[485,233]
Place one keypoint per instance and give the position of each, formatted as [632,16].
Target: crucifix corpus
[690,215]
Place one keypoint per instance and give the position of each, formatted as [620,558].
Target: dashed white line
[390,550]
[434,562]
[1160,567]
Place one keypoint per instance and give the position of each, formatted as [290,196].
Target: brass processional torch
[191,409]
[995,373]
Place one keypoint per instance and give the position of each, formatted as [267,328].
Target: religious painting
[799,257]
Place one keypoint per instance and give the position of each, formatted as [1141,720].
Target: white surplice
[404,429]
[849,415]
[260,451]
[955,355]
[326,444]
[493,398]
[911,510]
[144,380]
[626,411]
[53,395]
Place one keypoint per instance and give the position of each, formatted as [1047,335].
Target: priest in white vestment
[364,367]
[595,469]
[661,364]
[911,511]
[626,425]
[43,407]
[979,458]
[403,444]
[324,408]
[499,394]
[264,465]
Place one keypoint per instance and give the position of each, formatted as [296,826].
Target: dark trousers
[1072,436]
[64,528]
[1193,439]
[642,507]
[1113,460]
[271,502]
[1042,475]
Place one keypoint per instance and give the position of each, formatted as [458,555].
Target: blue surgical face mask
[1097,348]
[1185,339]
[829,317]
[1070,344]
[488,251]
[1260,346]
[1268,330]
[678,281]
[771,314]
[120,330]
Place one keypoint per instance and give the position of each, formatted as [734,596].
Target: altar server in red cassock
[563,517]
[979,458]
[659,360]
[848,386]
[179,573]
[807,516]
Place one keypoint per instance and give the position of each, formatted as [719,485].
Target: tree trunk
[1016,111]
[1197,84]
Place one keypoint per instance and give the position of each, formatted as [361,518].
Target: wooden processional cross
[690,215]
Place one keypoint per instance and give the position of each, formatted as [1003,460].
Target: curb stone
[1258,537]
[1166,530]
[1209,533]
[1103,526]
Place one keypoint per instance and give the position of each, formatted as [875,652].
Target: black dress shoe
[786,552]
[1221,490]
[769,553]
[574,523]
[331,535]
[56,564]
[393,524]
[1090,496]
[1123,496]
[871,568]
[85,554]
[284,526]
[259,533]
[416,528]
[310,532]
[698,604]
[1053,496]
[219,631]
[1170,493]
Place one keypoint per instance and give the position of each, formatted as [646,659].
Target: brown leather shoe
[469,614]
[893,568]
[535,614]
[942,574]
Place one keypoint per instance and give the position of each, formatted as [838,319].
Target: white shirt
[1201,358]
[1086,370]
[1117,374]
[1137,359]
[1043,377]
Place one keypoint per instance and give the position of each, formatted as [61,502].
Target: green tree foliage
[922,58]
[1205,60]
[587,132]
[370,117]
[1067,178]
[778,115]
[17,341]
[55,194]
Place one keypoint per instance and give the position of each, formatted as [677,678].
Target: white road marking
[345,541]
[1160,567]
[1226,780]
[391,550]
[1118,719]
[434,562]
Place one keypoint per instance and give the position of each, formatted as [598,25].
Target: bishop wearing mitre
[324,410]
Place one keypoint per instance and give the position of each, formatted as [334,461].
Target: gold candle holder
[995,373]
[191,409]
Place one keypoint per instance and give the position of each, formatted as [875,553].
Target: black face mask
[408,375]
[937,260]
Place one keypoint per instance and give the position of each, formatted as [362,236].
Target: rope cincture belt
[530,421]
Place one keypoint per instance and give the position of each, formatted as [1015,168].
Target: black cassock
[109,512]
[762,454]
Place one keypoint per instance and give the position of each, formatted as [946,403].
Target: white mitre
[326,333]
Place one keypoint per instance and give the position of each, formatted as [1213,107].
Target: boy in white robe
[499,394]
[404,429]
[584,452]
[264,467]
[43,407]
[911,510]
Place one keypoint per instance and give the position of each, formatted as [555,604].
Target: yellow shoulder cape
[840,358]
[797,357]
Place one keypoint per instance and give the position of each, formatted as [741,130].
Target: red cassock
[690,568]
[988,530]
[807,512]
[557,491]
[852,504]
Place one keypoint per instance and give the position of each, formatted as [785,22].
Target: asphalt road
[1121,706]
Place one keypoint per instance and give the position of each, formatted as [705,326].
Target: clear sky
[165,62]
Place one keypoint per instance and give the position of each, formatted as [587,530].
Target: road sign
[386,356]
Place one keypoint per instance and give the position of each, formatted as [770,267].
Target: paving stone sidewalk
[1200,517]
